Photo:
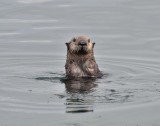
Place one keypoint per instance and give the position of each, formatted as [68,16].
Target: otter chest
[82,69]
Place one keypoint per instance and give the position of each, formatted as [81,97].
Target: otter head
[80,45]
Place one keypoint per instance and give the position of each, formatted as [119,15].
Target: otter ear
[67,44]
[93,44]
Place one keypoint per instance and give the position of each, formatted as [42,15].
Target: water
[33,87]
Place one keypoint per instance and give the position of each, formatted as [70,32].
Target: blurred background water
[33,87]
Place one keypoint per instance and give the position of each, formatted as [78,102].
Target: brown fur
[80,59]
[81,85]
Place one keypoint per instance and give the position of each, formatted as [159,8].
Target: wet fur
[80,61]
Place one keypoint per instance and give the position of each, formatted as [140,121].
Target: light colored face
[80,45]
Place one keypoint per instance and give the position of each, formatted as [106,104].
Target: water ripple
[27,20]
[125,80]
[32,1]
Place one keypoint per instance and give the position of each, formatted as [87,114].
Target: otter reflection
[80,85]
[79,99]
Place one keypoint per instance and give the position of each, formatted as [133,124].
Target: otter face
[80,45]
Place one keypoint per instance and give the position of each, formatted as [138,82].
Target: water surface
[33,87]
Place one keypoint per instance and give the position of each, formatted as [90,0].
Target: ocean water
[33,87]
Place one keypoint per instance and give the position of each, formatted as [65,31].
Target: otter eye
[88,40]
[74,40]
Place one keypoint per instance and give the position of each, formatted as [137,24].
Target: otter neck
[79,57]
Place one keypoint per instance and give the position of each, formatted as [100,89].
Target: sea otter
[80,59]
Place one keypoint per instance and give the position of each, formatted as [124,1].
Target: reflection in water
[80,85]
[78,90]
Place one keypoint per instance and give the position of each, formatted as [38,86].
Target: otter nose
[82,43]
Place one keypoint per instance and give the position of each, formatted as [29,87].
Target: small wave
[9,33]
[32,1]
[59,28]
[27,20]
[30,107]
